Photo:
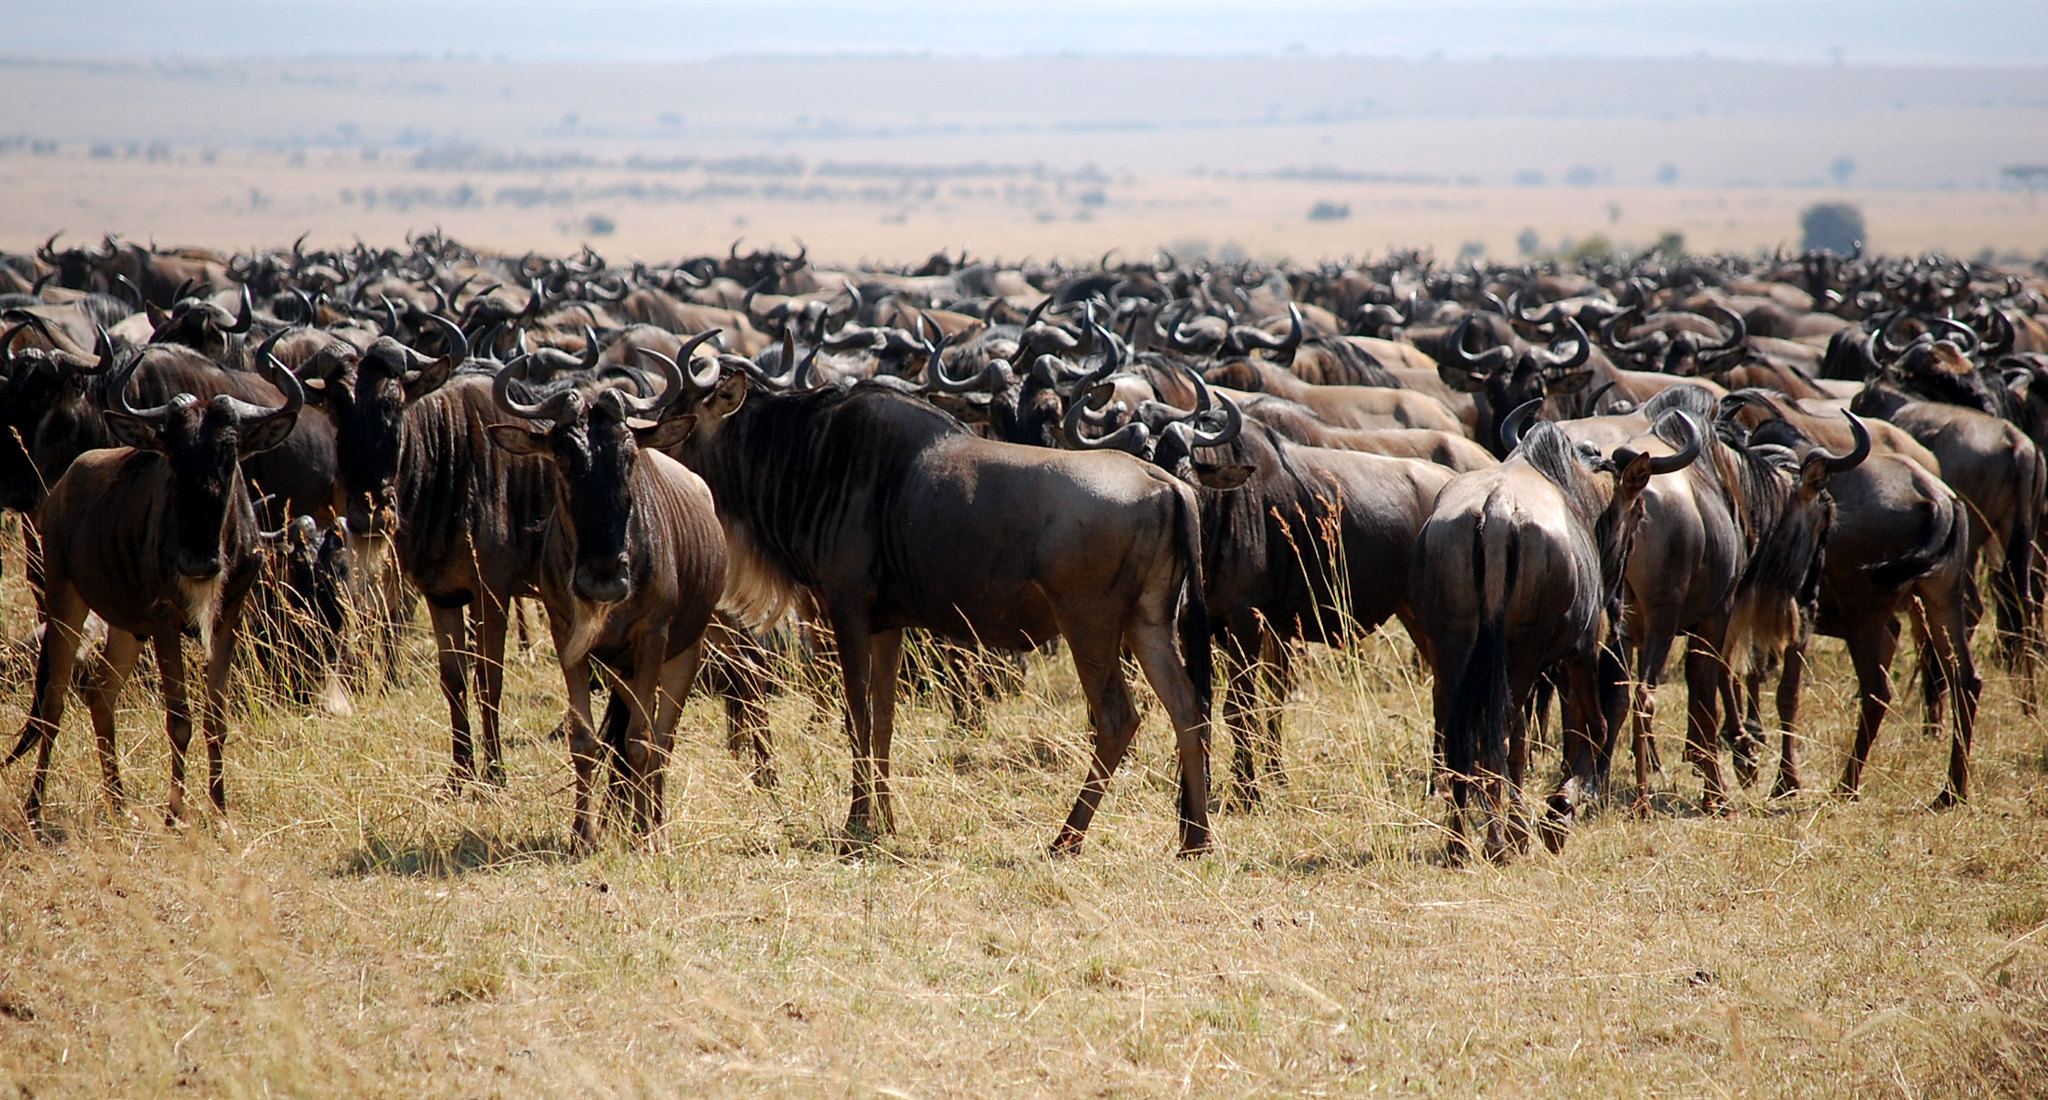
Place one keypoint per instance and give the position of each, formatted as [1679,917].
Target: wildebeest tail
[1194,604]
[1475,730]
[2015,591]
[1945,525]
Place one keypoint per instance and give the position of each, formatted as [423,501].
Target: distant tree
[1670,246]
[1831,226]
[1471,250]
[1594,249]
[1667,175]
[2029,176]
[1528,243]
[1581,175]
[1842,168]
[1327,211]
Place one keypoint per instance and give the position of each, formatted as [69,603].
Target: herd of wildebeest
[1550,474]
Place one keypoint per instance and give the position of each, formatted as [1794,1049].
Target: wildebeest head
[203,442]
[42,394]
[1509,381]
[592,437]
[367,396]
[200,324]
[1169,437]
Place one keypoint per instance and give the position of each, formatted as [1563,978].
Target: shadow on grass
[467,852]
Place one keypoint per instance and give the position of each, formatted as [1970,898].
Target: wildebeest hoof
[1785,787]
[1948,799]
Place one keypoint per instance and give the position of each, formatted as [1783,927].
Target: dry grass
[347,932]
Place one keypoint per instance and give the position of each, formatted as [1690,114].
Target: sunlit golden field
[345,931]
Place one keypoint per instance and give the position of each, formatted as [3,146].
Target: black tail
[1476,730]
[2014,588]
[1194,604]
[1944,526]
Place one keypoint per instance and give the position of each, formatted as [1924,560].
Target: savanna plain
[347,929]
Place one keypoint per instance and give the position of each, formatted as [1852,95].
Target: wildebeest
[891,514]
[631,566]
[1520,568]
[157,537]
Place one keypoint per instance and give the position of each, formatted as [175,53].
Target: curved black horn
[1857,453]
[501,392]
[1131,438]
[1673,463]
[245,318]
[1511,425]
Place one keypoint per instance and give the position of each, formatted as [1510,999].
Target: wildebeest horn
[1674,463]
[7,344]
[1861,450]
[1511,425]
[672,378]
[1487,362]
[1233,417]
[1599,391]
[936,377]
[48,252]
[245,318]
[590,348]
[141,301]
[501,392]
[1130,438]
[117,392]
[1738,336]
[286,382]
[1577,358]
[457,350]
[695,378]
[1965,336]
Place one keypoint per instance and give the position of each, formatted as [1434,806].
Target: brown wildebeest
[632,565]
[1520,568]
[158,538]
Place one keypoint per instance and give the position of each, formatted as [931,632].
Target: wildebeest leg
[490,685]
[677,676]
[856,669]
[1704,671]
[1651,656]
[1240,701]
[1152,639]
[170,669]
[1872,644]
[583,752]
[1114,718]
[1278,658]
[451,643]
[213,716]
[1789,682]
[101,695]
[1742,744]
[1942,621]
[886,657]
[1584,723]
[64,619]
[742,678]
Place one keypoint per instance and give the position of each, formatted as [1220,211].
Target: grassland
[346,931]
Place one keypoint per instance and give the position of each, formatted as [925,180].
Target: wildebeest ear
[1813,473]
[1215,476]
[517,440]
[132,432]
[427,379]
[261,435]
[1633,475]
[727,397]
[666,434]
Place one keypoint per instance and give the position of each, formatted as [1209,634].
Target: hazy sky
[1941,31]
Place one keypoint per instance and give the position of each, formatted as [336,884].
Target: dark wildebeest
[1298,544]
[158,538]
[892,515]
[1520,568]
[470,519]
[632,565]
[1899,542]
